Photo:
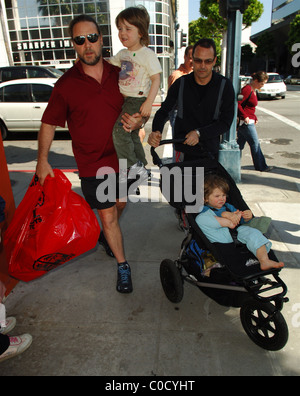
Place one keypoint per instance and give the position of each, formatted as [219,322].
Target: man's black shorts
[100,193]
[103,193]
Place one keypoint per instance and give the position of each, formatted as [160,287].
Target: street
[280,138]
[278,130]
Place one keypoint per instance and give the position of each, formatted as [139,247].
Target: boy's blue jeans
[247,133]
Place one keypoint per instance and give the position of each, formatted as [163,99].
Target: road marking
[280,118]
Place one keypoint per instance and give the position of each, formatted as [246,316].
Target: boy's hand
[247,215]
[234,217]
[146,109]
[225,222]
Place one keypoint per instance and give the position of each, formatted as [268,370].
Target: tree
[210,9]
[294,33]
[253,12]
[212,25]
[265,47]
[246,56]
[202,27]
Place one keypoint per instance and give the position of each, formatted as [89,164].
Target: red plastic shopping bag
[51,226]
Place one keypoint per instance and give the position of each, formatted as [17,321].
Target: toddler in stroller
[218,218]
[236,278]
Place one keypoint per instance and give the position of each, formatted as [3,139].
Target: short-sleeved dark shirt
[90,110]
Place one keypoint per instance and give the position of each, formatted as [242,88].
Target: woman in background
[247,131]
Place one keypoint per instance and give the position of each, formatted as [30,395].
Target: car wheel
[3,131]
[283,97]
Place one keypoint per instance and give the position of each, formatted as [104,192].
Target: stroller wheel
[264,325]
[171,281]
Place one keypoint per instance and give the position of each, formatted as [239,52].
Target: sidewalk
[82,326]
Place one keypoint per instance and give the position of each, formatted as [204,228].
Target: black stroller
[260,295]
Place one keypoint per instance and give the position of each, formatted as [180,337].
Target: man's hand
[132,122]
[154,139]
[43,169]
[192,138]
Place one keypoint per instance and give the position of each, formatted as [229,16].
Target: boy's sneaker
[123,176]
[17,346]
[138,169]
[10,324]
[124,283]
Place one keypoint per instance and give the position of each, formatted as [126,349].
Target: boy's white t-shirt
[136,69]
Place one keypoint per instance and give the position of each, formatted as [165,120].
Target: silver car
[22,104]
[292,80]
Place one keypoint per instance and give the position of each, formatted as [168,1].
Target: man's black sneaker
[103,242]
[124,283]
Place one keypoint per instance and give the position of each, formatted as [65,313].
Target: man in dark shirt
[87,97]
[199,97]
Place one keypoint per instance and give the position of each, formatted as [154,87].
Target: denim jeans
[247,133]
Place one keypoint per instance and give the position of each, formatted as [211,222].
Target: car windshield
[274,79]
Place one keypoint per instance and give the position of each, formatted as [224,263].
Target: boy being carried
[139,82]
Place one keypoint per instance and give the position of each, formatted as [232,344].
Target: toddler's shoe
[138,169]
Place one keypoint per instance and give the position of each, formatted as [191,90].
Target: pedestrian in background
[185,68]
[247,130]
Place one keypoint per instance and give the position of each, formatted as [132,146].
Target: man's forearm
[45,138]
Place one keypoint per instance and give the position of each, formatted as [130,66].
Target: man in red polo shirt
[87,97]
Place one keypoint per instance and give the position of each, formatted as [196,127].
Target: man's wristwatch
[198,132]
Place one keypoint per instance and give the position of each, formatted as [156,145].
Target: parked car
[244,80]
[22,104]
[8,73]
[292,80]
[274,87]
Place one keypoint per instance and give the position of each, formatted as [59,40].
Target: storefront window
[38,29]
[39,32]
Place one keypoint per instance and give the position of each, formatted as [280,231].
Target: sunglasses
[80,40]
[205,61]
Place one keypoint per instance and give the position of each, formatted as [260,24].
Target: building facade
[282,10]
[283,13]
[35,32]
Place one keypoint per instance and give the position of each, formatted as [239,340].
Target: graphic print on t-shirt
[129,74]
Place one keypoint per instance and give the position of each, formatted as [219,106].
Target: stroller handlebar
[155,157]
